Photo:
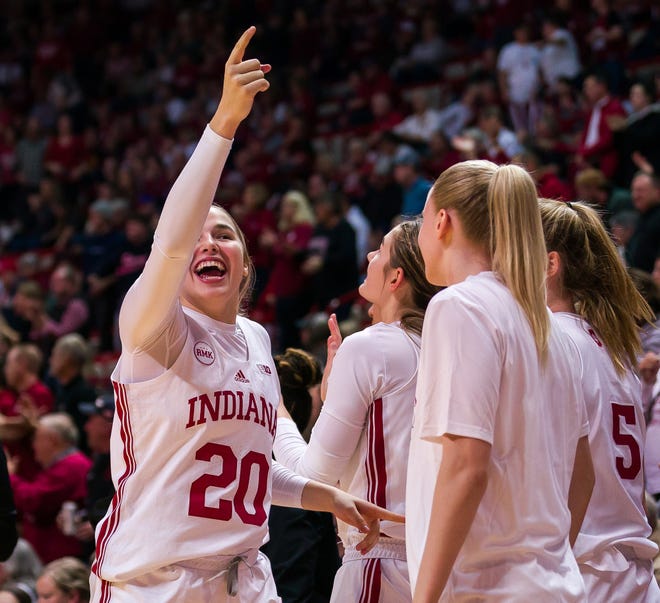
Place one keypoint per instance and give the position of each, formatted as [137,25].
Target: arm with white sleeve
[357,376]
[155,294]
[150,304]
[291,490]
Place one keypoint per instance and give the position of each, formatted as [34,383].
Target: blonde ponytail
[498,209]
[602,291]
[517,247]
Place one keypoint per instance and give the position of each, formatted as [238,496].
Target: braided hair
[298,371]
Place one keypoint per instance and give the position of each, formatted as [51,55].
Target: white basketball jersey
[615,515]
[362,436]
[480,377]
[196,481]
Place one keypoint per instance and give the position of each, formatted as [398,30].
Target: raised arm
[150,302]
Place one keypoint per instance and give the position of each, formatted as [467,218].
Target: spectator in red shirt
[63,477]
[50,53]
[25,398]
[288,247]
[254,218]
[597,143]
[384,117]
[65,153]
[440,155]
[548,184]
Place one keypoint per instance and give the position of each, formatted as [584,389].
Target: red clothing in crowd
[21,449]
[286,279]
[386,122]
[602,154]
[40,500]
[66,153]
[551,187]
[253,224]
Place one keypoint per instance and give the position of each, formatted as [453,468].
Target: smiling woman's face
[218,266]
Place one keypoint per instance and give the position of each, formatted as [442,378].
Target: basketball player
[597,305]
[363,433]
[196,395]
[499,472]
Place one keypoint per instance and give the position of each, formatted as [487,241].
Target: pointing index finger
[238,51]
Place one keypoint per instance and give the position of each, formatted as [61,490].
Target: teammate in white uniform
[196,394]
[598,306]
[362,436]
[499,473]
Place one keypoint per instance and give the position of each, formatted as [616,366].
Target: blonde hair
[30,355]
[61,425]
[70,575]
[303,213]
[247,283]
[498,209]
[74,347]
[597,281]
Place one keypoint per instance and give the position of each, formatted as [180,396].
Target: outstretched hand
[243,80]
[363,515]
[649,366]
[334,341]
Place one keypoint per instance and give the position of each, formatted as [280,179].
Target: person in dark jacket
[8,531]
[303,544]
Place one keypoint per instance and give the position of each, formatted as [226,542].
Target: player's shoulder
[380,338]
[579,332]
[250,326]
[564,343]
[480,294]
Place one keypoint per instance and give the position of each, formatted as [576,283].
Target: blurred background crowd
[102,103]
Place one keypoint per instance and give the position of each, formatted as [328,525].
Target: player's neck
[390,310]
[561,305]
[466,261]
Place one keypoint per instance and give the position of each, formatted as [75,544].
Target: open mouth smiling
[208,270]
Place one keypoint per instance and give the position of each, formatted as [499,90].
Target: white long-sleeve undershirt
[152,324]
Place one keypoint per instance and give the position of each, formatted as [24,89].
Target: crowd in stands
[101,105]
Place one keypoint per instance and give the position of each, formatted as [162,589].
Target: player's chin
[363,291]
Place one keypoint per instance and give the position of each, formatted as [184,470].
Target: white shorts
[195,581]
[380,576]
[635,584]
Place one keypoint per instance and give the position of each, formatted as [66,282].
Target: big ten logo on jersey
[227,405]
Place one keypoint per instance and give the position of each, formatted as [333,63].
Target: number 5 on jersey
[626,413]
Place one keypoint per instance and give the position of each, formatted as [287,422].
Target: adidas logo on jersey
[239,376]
